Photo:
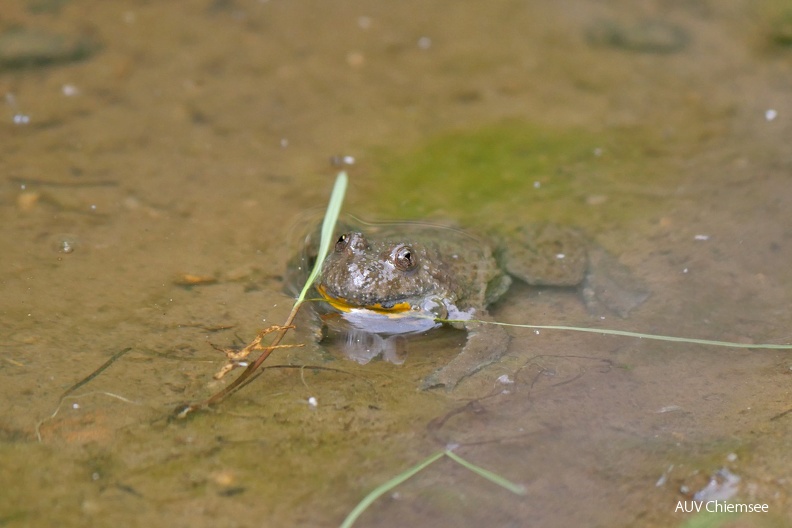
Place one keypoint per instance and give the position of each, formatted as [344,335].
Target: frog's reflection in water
[361,346]
[367,334]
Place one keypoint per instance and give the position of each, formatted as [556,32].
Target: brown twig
[244,378]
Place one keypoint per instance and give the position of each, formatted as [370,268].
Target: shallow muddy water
[145,144]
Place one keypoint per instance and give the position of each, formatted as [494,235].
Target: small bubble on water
[66,243]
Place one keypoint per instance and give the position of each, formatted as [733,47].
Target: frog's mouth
[343,305]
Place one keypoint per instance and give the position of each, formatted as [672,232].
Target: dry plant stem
[243,378]
[235,358]
[250,373]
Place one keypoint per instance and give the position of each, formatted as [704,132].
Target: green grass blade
[489,475]
[607,331]
[328,225]
[384,488]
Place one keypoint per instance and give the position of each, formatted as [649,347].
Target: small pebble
[28,200]
[355,59]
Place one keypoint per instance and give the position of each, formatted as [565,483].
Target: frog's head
[386,276]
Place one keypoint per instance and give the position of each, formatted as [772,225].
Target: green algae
[525,171]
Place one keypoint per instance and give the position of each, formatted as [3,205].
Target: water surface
[143,142]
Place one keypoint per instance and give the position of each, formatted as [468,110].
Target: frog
[395,279]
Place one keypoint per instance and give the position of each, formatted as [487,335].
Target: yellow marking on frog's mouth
[341,304]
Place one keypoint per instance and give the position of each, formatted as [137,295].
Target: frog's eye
[404,258]
[342,242]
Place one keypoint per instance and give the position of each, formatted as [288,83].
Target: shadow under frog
[383,282]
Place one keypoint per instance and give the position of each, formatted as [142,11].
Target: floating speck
[340,160]
[424,43]
[701,237]
[69,90]
[770,114]
[312,401]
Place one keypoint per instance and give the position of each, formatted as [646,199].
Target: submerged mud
[147,188]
